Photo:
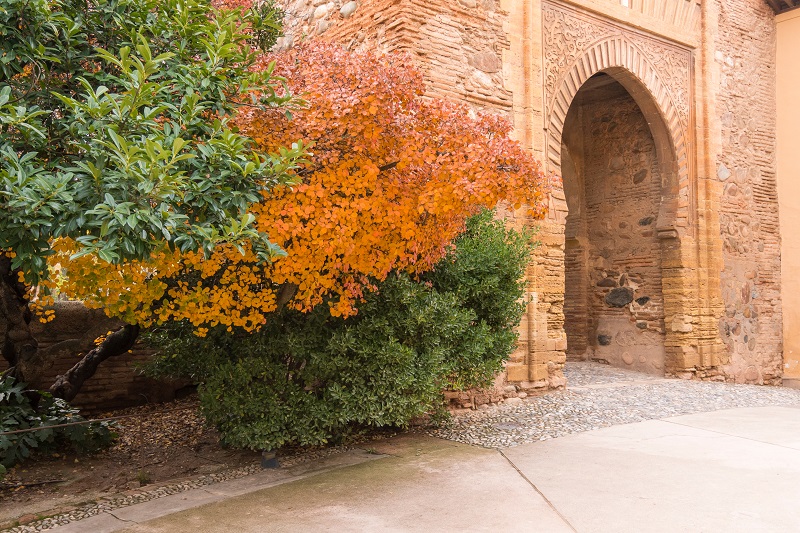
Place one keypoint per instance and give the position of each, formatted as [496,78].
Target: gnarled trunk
[27,362]
[19,346]
[67,385]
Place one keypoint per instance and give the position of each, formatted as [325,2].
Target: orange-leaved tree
[394,175]
[392,178]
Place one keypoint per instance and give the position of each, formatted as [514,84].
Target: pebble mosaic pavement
[600,396]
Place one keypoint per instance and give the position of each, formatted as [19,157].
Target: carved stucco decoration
[578,45]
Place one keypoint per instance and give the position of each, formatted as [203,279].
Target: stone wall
[702,75]
[613,303]
[702,72]
[746,109]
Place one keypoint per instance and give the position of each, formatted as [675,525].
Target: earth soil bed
[160,449]
[161,444]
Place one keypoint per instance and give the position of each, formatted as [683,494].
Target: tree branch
[67,385]
[388,166]
[285,293]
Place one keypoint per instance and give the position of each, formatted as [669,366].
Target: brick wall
[117,382]
[459,43]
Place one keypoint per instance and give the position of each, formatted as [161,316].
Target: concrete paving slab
[724,471]
[660,476]
[426,485]
[774,425]
[271,478]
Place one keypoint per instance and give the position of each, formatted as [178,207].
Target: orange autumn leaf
[400,173]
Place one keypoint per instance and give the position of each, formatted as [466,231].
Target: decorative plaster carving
[569,34]
[675,65]
[578,45]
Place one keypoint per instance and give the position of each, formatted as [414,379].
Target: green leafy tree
[115,132]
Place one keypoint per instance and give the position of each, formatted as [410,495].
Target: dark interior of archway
[614,308]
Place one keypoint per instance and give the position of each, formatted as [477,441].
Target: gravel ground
[583,374]
[600,396]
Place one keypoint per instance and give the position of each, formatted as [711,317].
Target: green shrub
[17,412]
[484,271]
[308,378]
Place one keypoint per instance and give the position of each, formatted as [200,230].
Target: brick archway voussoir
[617,53]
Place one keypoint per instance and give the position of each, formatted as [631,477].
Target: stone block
[517,373]
[538,372]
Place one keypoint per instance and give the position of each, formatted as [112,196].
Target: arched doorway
[616,178]
[581,49]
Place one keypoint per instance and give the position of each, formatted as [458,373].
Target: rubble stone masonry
[614,306]
[744,58]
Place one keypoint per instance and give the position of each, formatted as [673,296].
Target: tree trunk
[27,363]
[67,385]
[19,346]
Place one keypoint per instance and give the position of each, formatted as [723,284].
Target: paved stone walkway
[733,470]
[598,397]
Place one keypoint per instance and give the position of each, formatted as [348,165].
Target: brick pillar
[543,340]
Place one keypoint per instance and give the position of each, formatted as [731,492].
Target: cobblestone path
[600,396]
